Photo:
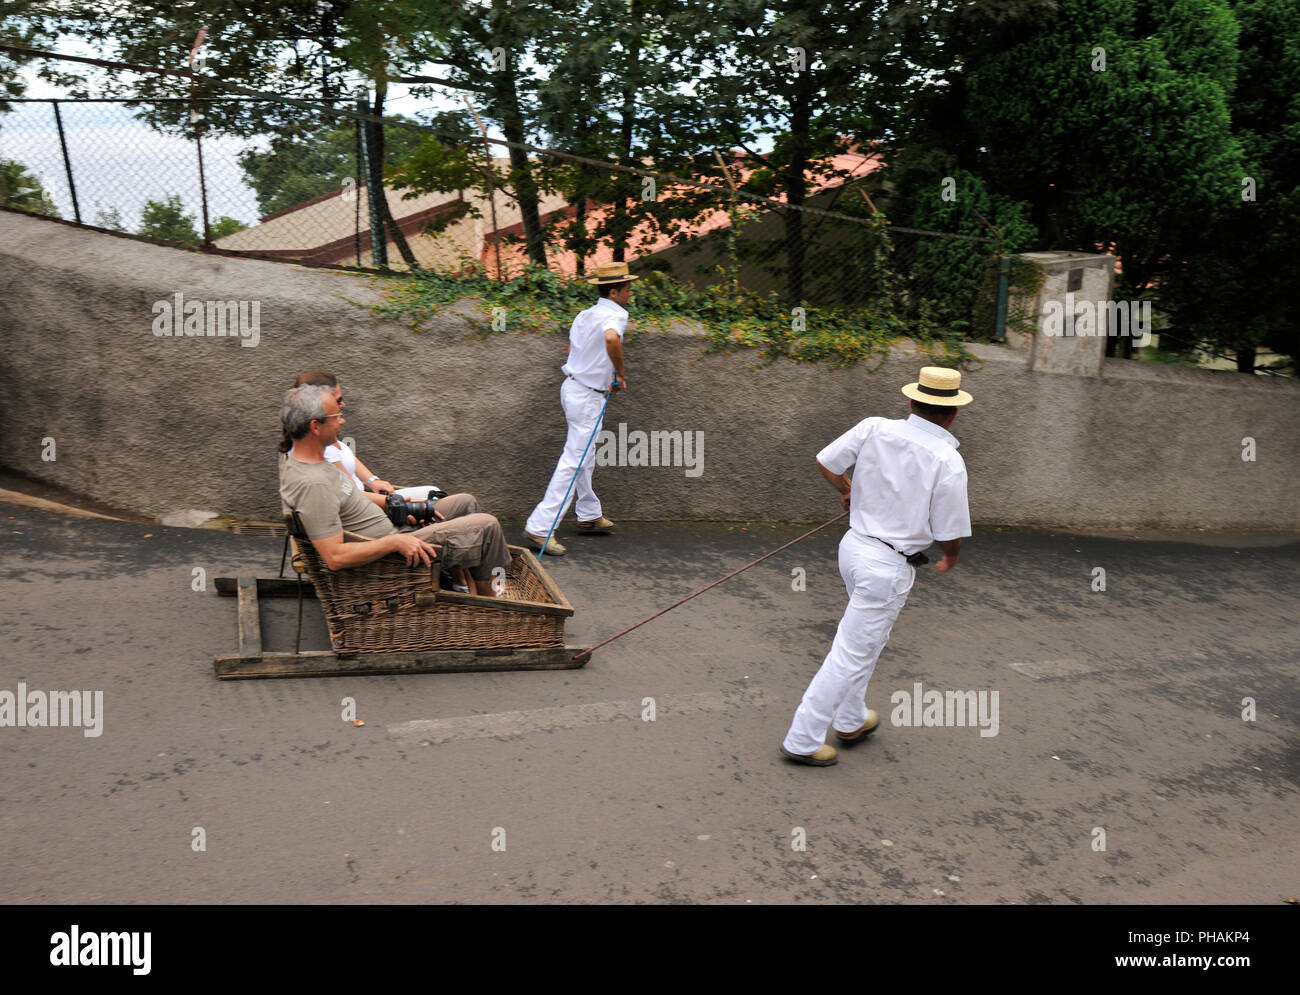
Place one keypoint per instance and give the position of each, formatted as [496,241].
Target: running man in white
[595,359]
[908,490]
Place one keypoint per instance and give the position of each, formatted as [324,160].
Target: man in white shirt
[908,490]
[593,371]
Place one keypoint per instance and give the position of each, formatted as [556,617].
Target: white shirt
[341,452]
[909,483]
[589,363]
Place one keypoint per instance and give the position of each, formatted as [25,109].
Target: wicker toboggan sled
[387,617]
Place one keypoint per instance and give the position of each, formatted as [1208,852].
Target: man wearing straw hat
[595,357]
[908,490]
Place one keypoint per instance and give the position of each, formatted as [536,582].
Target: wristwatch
[374,477]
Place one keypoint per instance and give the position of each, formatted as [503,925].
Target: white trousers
[582,410]
[878,581]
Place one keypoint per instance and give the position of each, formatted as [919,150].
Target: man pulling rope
[908,490]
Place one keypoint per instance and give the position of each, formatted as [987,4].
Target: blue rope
[565,503]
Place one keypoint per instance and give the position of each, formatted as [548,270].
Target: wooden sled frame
[252,662]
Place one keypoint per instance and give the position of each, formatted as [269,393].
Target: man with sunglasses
[340,453]
[329,504]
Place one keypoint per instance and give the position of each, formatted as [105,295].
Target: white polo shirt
[909,483]
[589,363]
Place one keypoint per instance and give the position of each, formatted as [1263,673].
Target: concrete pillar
[1070,314]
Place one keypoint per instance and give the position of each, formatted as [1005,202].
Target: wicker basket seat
[386,606]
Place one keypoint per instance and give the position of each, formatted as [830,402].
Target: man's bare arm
[614,349]
[340,555]
[840,482]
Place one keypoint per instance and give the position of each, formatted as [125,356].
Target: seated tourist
[341,454]
[328,502]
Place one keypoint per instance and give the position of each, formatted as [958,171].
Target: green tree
[813,79]
[617,91]
[109,217]
[1112,119]
[1234,285]
[315,51]
[296,168]
[29,24]
[955,272]
[166,219]
[483,50]
[21,190]
[224,226]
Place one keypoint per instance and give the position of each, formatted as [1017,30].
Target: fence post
[196,120]
[1004,279]
[358,162]
[67,163]
[378,242]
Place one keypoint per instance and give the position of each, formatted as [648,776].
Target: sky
[120,162]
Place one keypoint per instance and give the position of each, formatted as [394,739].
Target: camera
[397,508]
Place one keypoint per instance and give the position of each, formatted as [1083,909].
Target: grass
[731,319]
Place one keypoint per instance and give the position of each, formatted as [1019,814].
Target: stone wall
[158,423]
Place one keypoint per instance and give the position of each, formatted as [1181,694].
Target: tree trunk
[586,183]
[525,187]
[580,234]
[622,227]
[374,165]
[796,187]
[1246,359]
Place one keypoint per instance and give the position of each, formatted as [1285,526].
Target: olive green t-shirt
[328,501]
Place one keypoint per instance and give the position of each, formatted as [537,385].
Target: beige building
[334,229]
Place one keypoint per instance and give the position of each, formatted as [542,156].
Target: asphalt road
[1119,711]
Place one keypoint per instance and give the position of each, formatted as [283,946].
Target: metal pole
[356,193]
[67,163]
[195,119]
[1004,274]
[600,418]
[378,244]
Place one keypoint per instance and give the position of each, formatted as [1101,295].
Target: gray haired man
[329,503]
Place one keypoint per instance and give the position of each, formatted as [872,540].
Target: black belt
[570,376]
[916,559]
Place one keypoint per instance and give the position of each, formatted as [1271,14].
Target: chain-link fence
[134,167]
[339,188]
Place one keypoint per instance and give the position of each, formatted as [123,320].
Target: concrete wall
[156,424]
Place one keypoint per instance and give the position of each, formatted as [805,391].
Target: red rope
[714,584]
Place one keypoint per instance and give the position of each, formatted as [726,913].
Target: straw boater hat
[612,273]
[938,385]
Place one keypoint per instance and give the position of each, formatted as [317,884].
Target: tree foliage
[299,167]
[22,190]
[166,219]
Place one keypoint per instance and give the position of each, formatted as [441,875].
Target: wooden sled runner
[388,618]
